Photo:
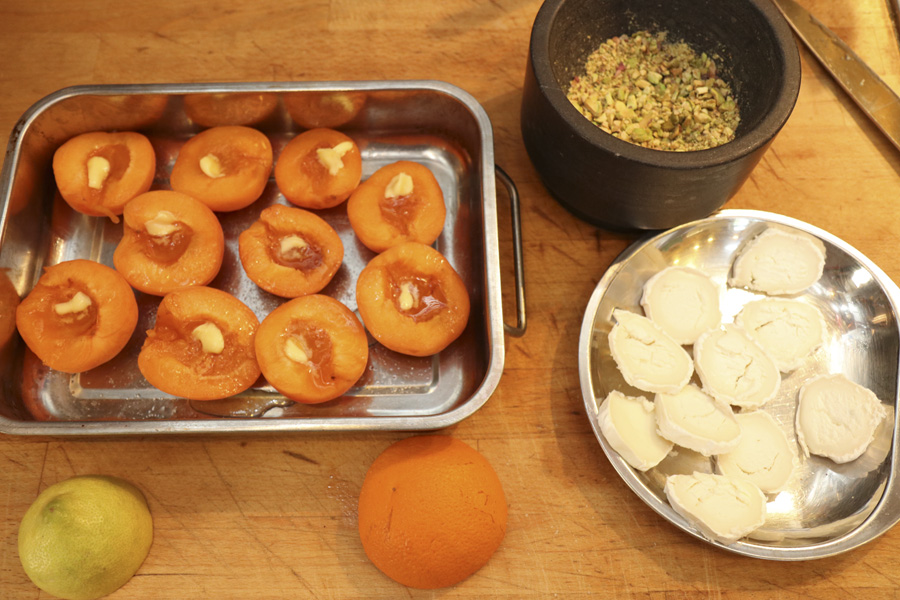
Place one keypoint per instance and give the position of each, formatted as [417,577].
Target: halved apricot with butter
[290,252]
[400,202]
[98,173]
[201,347]
[311,109]
[319,168]
[412,300]
[229,108]
[312,349]
[226,168]
[170,241]
[79,315]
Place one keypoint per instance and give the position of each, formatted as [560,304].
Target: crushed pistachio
[657,94]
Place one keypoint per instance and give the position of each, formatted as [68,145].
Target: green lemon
[84,537]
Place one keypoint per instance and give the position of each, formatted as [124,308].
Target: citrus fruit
[84,537]
[431,511]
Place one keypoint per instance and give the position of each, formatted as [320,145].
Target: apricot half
[79,315]
[323,109]
[312,349]
[412,300]
[201,347]
[290,252]
[226,168]
[319,168]
[169,241]
[229,108]
[400,202]
[97,173]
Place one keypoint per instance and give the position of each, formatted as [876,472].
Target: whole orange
[431,511]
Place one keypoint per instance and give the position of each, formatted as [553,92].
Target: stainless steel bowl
[826,508]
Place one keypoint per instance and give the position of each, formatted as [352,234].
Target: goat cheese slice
[837,418]
[683,301]
[722,508]
[697,421]
[779,262]
[789,330]
[629,425]
[735,369]
[764,455]
[647,357]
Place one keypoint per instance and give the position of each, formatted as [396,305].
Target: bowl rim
[756,138]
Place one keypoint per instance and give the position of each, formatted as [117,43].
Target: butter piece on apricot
[212,166]
[98,171]
[330,158]
[296,352]
[79,302]
[400,185]
[291,243]
[408,296]
[163,224]
[210,337]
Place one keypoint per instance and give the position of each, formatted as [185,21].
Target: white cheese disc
[764,455]
[779,262]
[683,301]
[789,330]
[837,418]
[723,509]
[648,358]
[695,420]
[734,369]
[629,425]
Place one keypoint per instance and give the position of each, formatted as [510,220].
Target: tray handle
[517,330]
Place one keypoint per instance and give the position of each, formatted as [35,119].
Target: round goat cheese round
[697,421]
[837,418]
[764,455]
[789,330]
[629,425]
[722,508]
[647,357]
[779,262]
[734,369]
[683,301]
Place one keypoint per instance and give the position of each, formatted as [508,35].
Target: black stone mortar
[615,184]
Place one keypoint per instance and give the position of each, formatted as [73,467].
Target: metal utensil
[861,83]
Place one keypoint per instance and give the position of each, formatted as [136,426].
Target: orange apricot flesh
[412,300]
[319,168]
[323,109]
[400,202]
[290,252]
[201,346]
[170,241]
[226,168]
[79,315]
[232,108]
[98,173]
[312,349]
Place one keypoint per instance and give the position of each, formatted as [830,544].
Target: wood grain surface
[274,516]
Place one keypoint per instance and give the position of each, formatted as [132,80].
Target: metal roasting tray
[430,122]
[826,508]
